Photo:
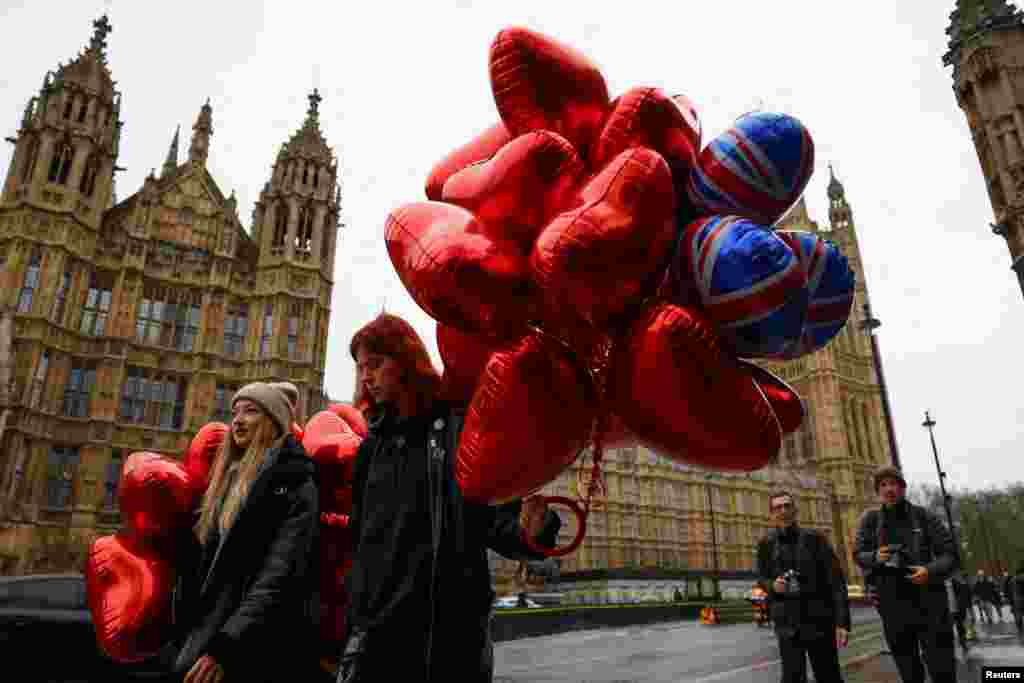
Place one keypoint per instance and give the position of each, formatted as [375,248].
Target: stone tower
[127,326]
[295,223]
[986,51]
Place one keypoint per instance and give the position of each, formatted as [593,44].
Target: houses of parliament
[127,325]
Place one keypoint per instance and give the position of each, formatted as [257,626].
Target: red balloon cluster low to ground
[130,576]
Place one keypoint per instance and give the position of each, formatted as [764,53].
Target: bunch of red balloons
[589,287]
[130,575]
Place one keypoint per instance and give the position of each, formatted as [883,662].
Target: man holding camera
[909,553]
[807,594]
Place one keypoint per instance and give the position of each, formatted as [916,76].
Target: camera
[897,564]
[792,579]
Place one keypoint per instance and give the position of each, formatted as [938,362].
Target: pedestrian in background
[808,598]
[910,553]
[1017,598]
[245,596]
[984,592]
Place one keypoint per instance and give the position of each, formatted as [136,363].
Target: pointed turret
[199,150]
[973,19]
[171,163]
[840,215]
[298,209]
[67,147]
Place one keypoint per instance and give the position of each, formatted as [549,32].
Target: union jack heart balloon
[748,282]
[757,169]
[830,284]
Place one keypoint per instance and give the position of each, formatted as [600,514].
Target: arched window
[69,103]
[316,178]
[871,444]
[60,166]
[304,239]
[82,111]
[853,431]
[87,186]
[30,283]
[305,174]
[30,162]
[280,225]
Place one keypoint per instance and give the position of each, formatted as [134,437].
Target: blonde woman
[244,602]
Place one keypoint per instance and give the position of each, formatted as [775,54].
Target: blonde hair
[267,434]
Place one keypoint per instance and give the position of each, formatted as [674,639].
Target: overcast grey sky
[403,83]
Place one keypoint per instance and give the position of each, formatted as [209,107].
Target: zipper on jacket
[436,456]
[268,463]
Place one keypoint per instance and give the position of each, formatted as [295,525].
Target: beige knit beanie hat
[277,398]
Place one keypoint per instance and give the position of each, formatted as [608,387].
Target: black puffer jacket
[431,628]
[249,600]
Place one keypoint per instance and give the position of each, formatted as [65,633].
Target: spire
[202,131]
[973,19]
[840,215]
[171,163]
[26,118]
[98,43]
[835,188]
[314,103]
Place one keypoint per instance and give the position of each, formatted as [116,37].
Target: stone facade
[657,510]
[986,51]
[126,326]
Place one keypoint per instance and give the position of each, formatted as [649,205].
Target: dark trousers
[909,642]
[796,649]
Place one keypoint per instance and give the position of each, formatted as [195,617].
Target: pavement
[688,652]
[677,652]
[996,645]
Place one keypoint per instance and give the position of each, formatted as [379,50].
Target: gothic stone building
[657,510]
[126,326]
[986,51]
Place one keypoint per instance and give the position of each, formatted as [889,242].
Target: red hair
[391,336]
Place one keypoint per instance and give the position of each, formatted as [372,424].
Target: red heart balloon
[681,395]
[156,495]
[530,417]
[616,433]
[332,444]
[455,272]
[520,188]
[129,590]
[784,400]
[200,456]
[483,146]
[541,84]
[352,417]
[647,117]
[464,357]
[595,260]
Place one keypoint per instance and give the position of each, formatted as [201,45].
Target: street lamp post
[961,627]
[929,424]
[869,324]
[714,534]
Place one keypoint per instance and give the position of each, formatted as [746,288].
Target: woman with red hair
[420,584]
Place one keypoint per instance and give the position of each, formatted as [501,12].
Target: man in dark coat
[420,583]
[910,553]
[1016,598]
[808,597]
